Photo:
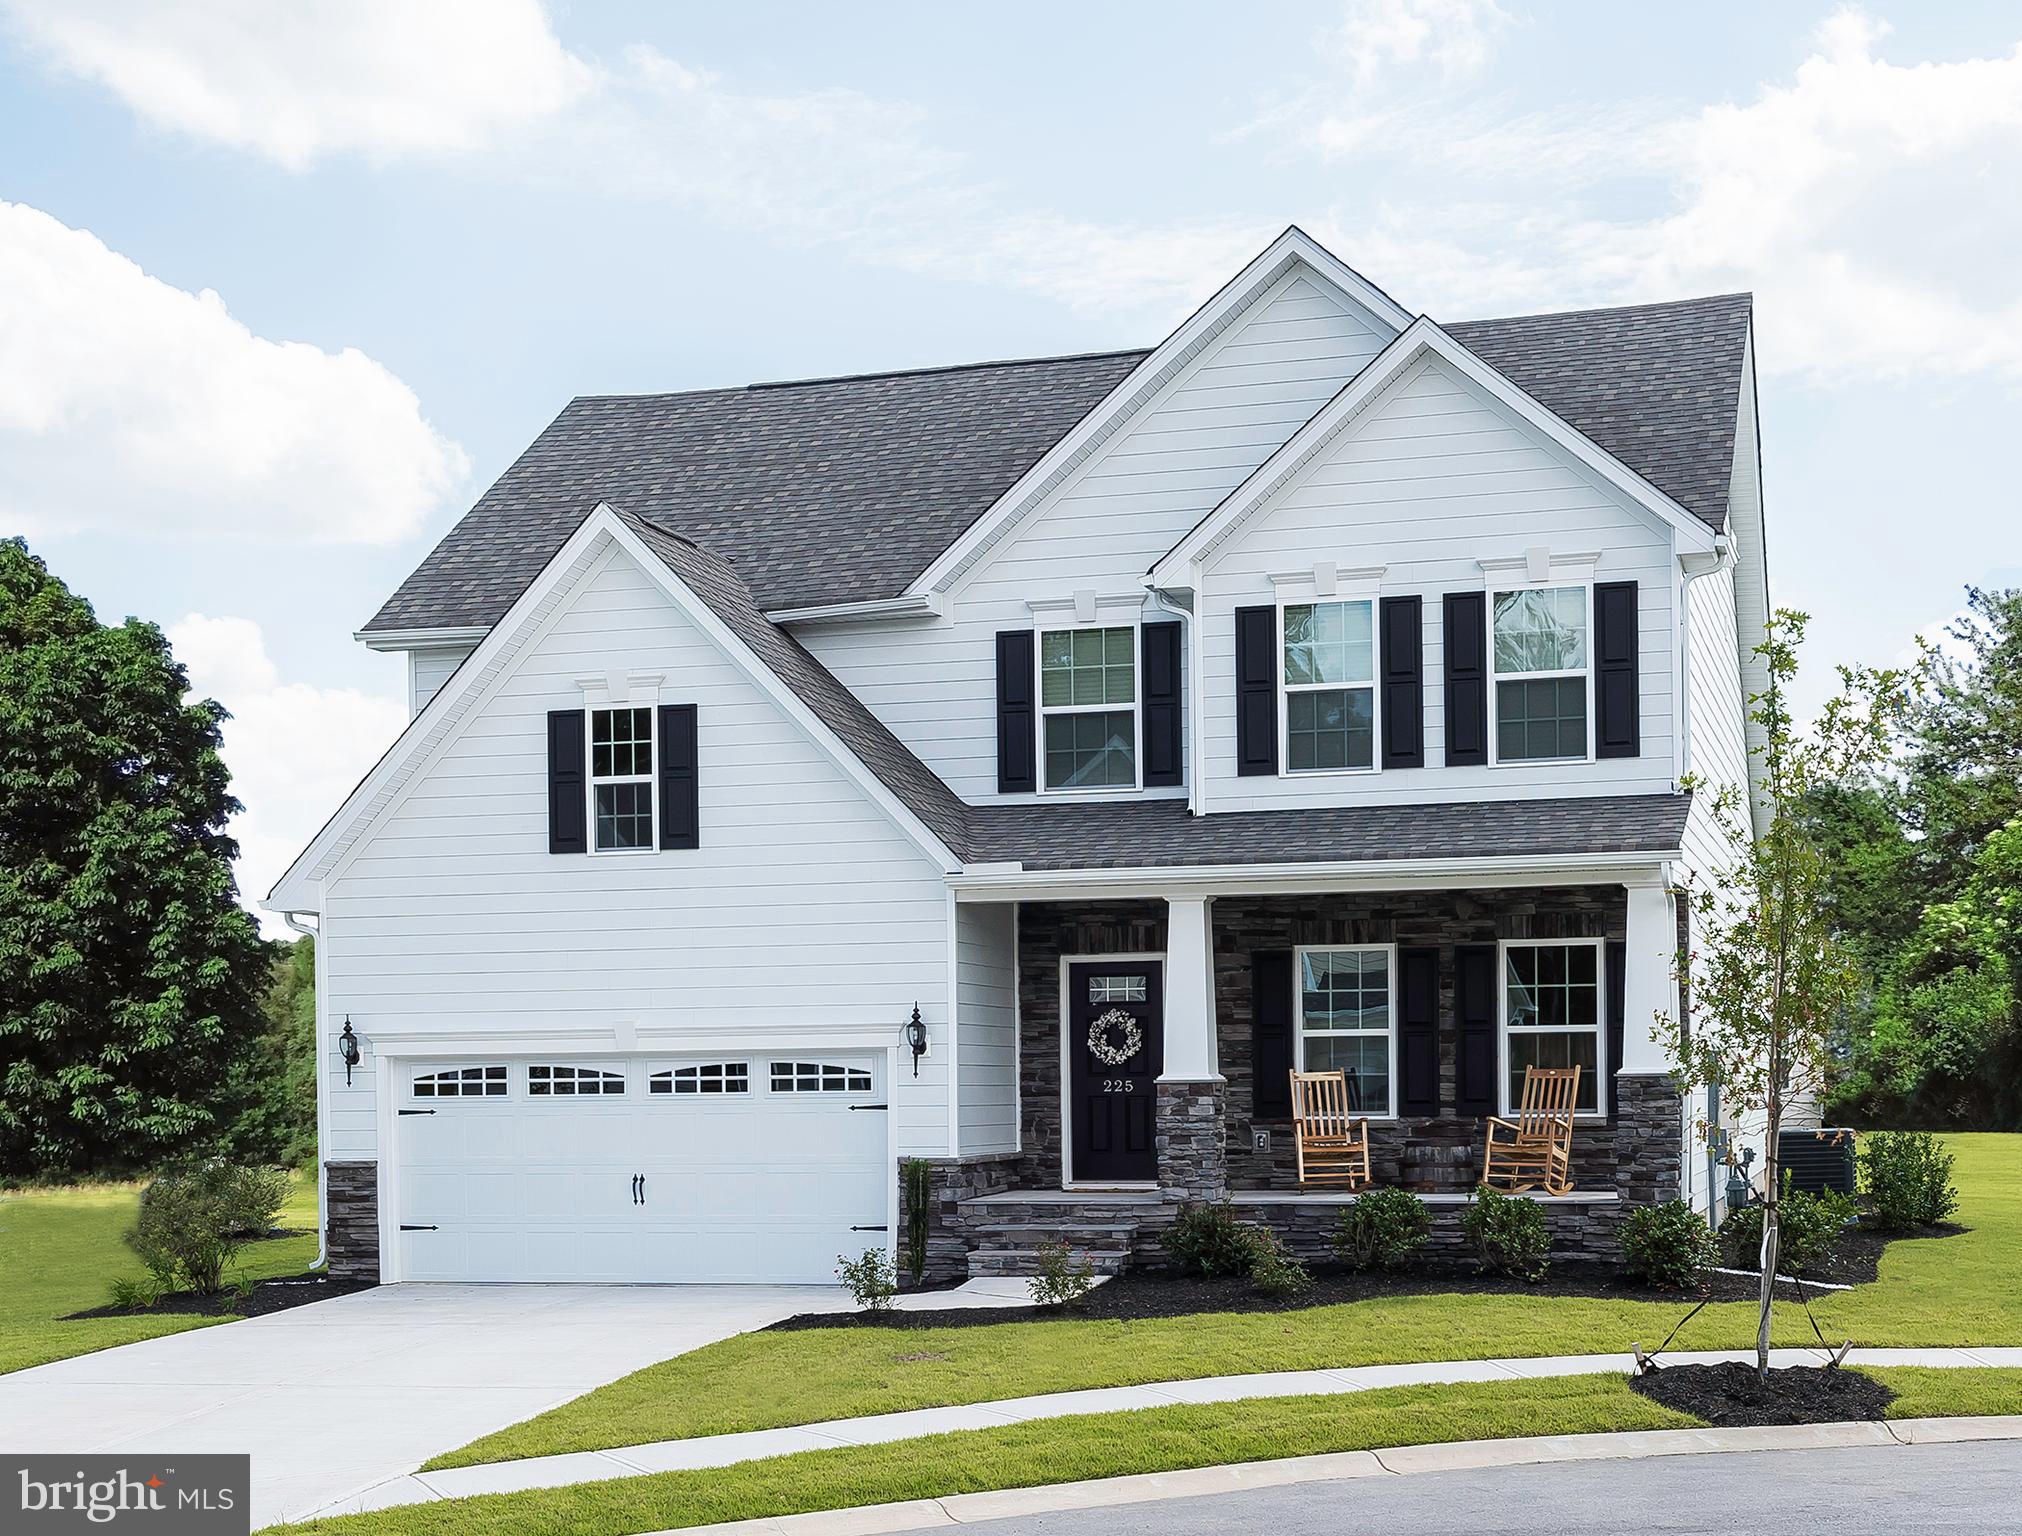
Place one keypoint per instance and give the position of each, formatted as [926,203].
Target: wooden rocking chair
[1536,1150]
[1333,1146]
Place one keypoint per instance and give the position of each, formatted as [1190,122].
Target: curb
[1406,1460]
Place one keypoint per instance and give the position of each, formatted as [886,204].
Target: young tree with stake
[1768,975]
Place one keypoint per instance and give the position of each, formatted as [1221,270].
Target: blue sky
[428,225]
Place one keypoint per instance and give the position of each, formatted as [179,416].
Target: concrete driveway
[332,1398]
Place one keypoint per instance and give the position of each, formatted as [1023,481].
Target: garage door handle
[870,1106]
[407,1227]
[870,1229]
[417,1111]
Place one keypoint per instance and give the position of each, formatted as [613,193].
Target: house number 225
[1119,1085]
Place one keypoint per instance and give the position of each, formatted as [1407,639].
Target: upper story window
[621,779]
[1346,1020]
[1088,707]
[1329,675]
[1542,685]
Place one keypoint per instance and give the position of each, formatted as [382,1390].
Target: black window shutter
[568,814]
[1161,725]
[1017,723]
[1617,984]
[1403,682]
[1257,692]
[1474,1002]
[680,801]
[1618,732]
[1466,619]
[1418,1032]
[1271,1034]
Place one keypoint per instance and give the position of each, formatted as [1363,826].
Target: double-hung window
[1347,1017]
[1329,675]
[621,779]
[1552,1015]
[1088,707]
[1542,686]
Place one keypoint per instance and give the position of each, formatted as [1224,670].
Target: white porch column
[1189,993]
[1649,987]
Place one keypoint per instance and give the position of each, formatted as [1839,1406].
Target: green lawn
[1961,1290]
[1105,1445]
[1032,1455]
[61,1248]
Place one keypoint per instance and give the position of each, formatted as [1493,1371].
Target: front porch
[1412,991]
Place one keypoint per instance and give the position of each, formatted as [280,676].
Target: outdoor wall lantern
[916,1038]
[347,1047]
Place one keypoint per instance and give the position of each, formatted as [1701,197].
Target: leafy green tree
[1963,778]
[1771,972]
[128,971]
[276,1121]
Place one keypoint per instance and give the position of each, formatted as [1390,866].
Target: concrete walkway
[348,1393]
[726,1450]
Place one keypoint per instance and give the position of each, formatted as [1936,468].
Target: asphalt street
[1898,1490]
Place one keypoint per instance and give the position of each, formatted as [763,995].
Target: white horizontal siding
[1431,479]
[1717,752]
[804,905]
[986,967]
[934,684]
[428,669]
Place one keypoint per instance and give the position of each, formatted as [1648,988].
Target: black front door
[1115,1052]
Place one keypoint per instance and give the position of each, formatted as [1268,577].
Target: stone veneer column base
[351,1239]
[1190,1140]
[1650,1137]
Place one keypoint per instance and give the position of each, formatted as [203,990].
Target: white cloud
[295,751]
[127,404]
[379,77]
[1455,37]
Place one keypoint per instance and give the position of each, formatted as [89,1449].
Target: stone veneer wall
[1644,1137]
[1190,1136]
[952,1180]
[351,1238]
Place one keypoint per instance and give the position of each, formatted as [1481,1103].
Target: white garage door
[723,1169]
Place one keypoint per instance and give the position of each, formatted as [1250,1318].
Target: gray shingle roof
[837,490]
[1160,833]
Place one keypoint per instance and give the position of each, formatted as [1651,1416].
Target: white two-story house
[1022,768]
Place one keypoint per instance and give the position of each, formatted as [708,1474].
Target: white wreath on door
[1109,1053]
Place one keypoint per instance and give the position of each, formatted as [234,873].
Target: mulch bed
[1734,1396]
[1142,1294]
[276,1295]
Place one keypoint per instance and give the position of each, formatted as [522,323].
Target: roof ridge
[1602,309]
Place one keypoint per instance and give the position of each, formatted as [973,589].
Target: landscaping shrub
[1061,1282]
[1274,1270]
[1509,1234]
[193,1220]
[1907,1177]
[1668,1244]
[871,1279]
[1208,1240]
[1808,1229]
[1381,1230]
[133,1295]
[916,1174]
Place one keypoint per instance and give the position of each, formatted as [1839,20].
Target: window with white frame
[565,1082]
[1541,674]
[818,1077]
[1329,675]
[487,1082]
[1552,1015]
[1088,707]
[1346,1017]
[621,779]
[705,1077]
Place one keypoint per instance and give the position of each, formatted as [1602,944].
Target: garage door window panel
[481,1082]
[818,1077]
[714,1077]
[545,1081]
